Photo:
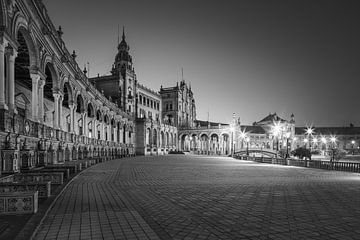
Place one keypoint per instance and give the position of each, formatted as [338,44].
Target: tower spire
[123,34]
[118,34]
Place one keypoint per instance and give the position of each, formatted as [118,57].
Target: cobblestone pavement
[194,197]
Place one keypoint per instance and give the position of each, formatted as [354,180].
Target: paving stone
[197,197]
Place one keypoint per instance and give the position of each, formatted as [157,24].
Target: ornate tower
[123,67]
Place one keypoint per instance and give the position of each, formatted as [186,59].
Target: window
[140,99]
[166,107]
[147,102]
[171,106]
[151,103]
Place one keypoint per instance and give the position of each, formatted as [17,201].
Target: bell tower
[123,68]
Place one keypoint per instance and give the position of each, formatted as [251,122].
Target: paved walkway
[191,197]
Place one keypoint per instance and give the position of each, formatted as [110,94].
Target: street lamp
[352,146]
[247,145]
[232,129]
[309,132]
[323,140]
[242,136]
[333,142]
[276,129]
[288,134]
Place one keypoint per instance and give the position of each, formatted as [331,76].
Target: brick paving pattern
[196,197]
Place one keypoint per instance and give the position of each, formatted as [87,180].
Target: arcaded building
[49,110]
[144,105]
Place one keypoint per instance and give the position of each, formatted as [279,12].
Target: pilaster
[3,105]
[35,77]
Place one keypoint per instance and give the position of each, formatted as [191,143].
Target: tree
[302,153]
[337,154]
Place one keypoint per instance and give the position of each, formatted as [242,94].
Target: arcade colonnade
[160,139]
[220,143]
[49,112]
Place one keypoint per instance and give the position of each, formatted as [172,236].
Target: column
[72,120]
[61,98]
[12,54]
[94,130]
[56,109]
[34,97]
[114,130]
[41,100]
[84,127]
[2,76]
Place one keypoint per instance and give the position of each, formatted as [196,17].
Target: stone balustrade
[66,172]
[72,168]
[56,178]
[18,203]
[43,188]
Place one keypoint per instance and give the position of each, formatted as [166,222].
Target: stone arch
[68,94]
[185,142]
[155,137]
[162,139]
[21,26]
[80,104]
[90,110]
[51,81]
[99,115]
[148,136]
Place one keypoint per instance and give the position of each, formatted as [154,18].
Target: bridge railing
[319,164]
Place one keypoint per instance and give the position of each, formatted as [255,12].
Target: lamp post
[247,145]
[309,133]
[333,142]
[288,134]
[232,129]
[352,146]
[323,140]
[242,137]
[276,129]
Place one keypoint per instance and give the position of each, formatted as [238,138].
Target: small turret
[292,118]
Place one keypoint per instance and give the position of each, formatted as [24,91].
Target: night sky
[248,57]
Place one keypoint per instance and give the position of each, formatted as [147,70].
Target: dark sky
[248,57]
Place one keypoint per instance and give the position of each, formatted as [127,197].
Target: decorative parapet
[18,203]
[148,89]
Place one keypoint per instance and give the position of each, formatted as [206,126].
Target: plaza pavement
[196,197]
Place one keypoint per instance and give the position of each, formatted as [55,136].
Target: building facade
[49,110]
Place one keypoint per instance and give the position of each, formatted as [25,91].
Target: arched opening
[67,95]
[154,139]
[98,127]
[185,142]
[225,143]
[147,137]
[90,114]
[90,111]
[113,128]
[214,143]
[124,133]
[79,110]
[204,143]
[167,139]
[106,121]
[162,139]
[194,142]
[67,100]
[23,82]
[49,102]
[118,131]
